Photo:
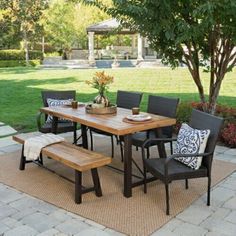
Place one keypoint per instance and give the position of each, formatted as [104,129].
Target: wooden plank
[75,157]
[20,138]
[113,124]
[69,154]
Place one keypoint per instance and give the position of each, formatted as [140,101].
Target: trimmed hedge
[20,55]
[15,63]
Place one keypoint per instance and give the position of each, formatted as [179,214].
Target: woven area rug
[140,215]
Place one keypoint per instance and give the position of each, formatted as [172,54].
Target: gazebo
[109,26]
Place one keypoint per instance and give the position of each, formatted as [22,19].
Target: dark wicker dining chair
[168,169]
[162,106]
[126,100]
[63,126]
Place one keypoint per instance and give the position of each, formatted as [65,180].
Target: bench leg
[22,159]
[41,159]
[96,182]
[78,187]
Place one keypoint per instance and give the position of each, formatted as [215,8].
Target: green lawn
[20,88]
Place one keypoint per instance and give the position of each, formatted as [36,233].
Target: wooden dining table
[113,124]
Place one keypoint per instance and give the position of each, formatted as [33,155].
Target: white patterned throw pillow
[56,102]
[191,141]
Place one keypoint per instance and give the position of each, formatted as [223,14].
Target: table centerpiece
[101,103]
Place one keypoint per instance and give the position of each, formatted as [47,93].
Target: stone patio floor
[21,214]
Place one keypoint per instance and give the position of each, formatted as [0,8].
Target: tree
[66,23]
[9,32]
[86,16]
[60,25]
[195,33]
[25,13]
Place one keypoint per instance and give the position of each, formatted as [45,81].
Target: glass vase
[101,99]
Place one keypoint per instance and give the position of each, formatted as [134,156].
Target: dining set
[157,130]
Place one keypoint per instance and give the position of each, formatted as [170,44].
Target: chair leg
[171,148]
[167,199]
[144,173]
[209,192]
[91,139]
[136,148]
[117,140]
[144,179]
[186,183]
[112,146]
[121,152]
[148,153]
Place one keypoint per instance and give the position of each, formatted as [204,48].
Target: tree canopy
[25,16]
[195,33]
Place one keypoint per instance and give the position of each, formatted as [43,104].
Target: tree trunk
[26,47]
[192,62]
[214,96]
[43,45]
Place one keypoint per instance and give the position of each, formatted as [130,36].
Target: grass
[21,98]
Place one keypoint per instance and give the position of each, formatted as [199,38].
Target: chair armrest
[169,158]
[157,140]
[38,120]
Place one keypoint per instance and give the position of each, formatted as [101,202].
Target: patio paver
[6,131]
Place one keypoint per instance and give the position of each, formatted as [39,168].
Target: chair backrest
[60,95]
[127,99]
[163,106]
[201,120]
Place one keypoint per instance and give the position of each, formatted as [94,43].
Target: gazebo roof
[107,26]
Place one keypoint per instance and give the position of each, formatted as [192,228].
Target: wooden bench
[77,158]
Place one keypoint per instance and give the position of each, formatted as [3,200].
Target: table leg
[128,165]
[54,124]
[84,136]
[75,132]
[160,145]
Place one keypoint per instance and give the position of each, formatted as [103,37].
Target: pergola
[108,26]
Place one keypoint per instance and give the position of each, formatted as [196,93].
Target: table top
[111,123]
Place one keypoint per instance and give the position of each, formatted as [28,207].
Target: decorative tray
[101,110]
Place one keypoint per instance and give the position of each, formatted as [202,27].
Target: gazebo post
[140,48]
[133,43]
[91,47]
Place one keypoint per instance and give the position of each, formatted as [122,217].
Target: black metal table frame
[128,184]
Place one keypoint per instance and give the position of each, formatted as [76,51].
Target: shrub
[35,55]
[20,55]
[184,112]
[228,135]
[12,55]
[15,63]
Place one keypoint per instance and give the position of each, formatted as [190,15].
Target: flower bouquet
[101,82]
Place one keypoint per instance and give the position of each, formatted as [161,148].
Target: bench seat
[75,157]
